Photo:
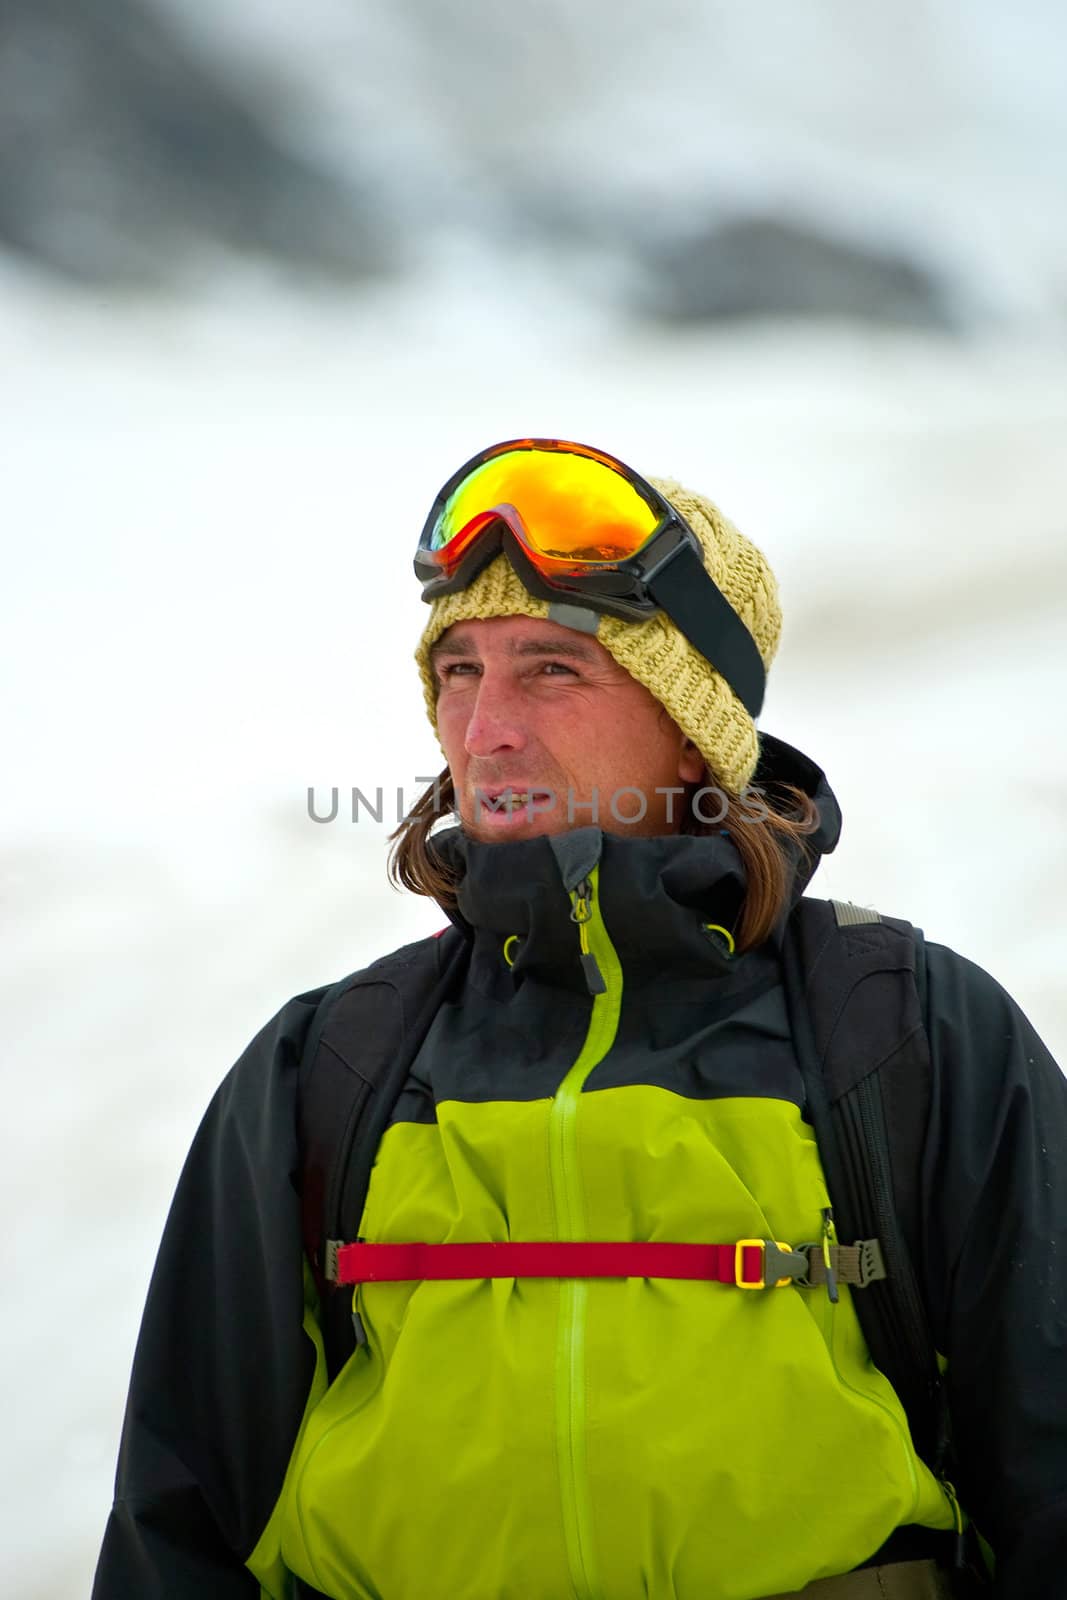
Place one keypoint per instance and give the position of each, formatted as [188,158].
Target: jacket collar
[657,895]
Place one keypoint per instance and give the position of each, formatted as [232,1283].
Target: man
[540,1393]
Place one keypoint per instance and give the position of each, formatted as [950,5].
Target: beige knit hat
[655,652]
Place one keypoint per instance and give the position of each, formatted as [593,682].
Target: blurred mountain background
[691,161]
[267,274]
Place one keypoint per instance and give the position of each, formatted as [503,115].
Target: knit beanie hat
[654,652]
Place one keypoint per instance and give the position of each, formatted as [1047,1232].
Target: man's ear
[690,763]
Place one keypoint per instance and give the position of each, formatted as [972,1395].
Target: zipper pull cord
[581,913]
[357,1321]
[829,1237]
[960,1561]
[582,909]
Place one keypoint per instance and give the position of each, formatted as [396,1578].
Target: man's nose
[496,724]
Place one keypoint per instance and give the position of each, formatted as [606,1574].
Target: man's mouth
[512,801]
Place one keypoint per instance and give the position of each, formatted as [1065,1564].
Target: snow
[208,513]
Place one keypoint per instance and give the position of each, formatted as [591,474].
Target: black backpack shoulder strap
[366,1033]
[855,985]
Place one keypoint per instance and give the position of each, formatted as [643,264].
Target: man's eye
[456,669]
[558,666]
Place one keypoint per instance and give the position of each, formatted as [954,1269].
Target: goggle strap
[684,589]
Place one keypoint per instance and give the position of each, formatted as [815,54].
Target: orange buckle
[774,1255]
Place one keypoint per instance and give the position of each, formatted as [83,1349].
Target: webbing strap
[848,915]
[857,1264]
[747,1263]
[394,1263]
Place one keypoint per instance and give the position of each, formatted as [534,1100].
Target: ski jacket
[602,1438]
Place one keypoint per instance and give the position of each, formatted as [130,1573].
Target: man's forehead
[516,636]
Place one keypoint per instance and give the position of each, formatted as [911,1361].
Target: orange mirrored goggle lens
[571,509]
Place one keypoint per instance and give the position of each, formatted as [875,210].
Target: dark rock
[764,267]
[124,154]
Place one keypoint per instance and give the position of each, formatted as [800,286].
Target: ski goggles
[582,529]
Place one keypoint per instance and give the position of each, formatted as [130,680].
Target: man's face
[536,709]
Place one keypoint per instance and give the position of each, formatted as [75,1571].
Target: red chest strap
[747,1263]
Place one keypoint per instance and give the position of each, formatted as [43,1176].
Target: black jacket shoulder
[994,1269]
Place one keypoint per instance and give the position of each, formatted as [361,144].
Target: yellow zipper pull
[829,1237]
[581,913]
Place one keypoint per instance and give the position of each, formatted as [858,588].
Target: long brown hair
[768,829]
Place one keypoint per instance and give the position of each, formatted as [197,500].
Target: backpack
[855,992]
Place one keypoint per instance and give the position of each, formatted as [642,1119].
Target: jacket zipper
[604,978]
